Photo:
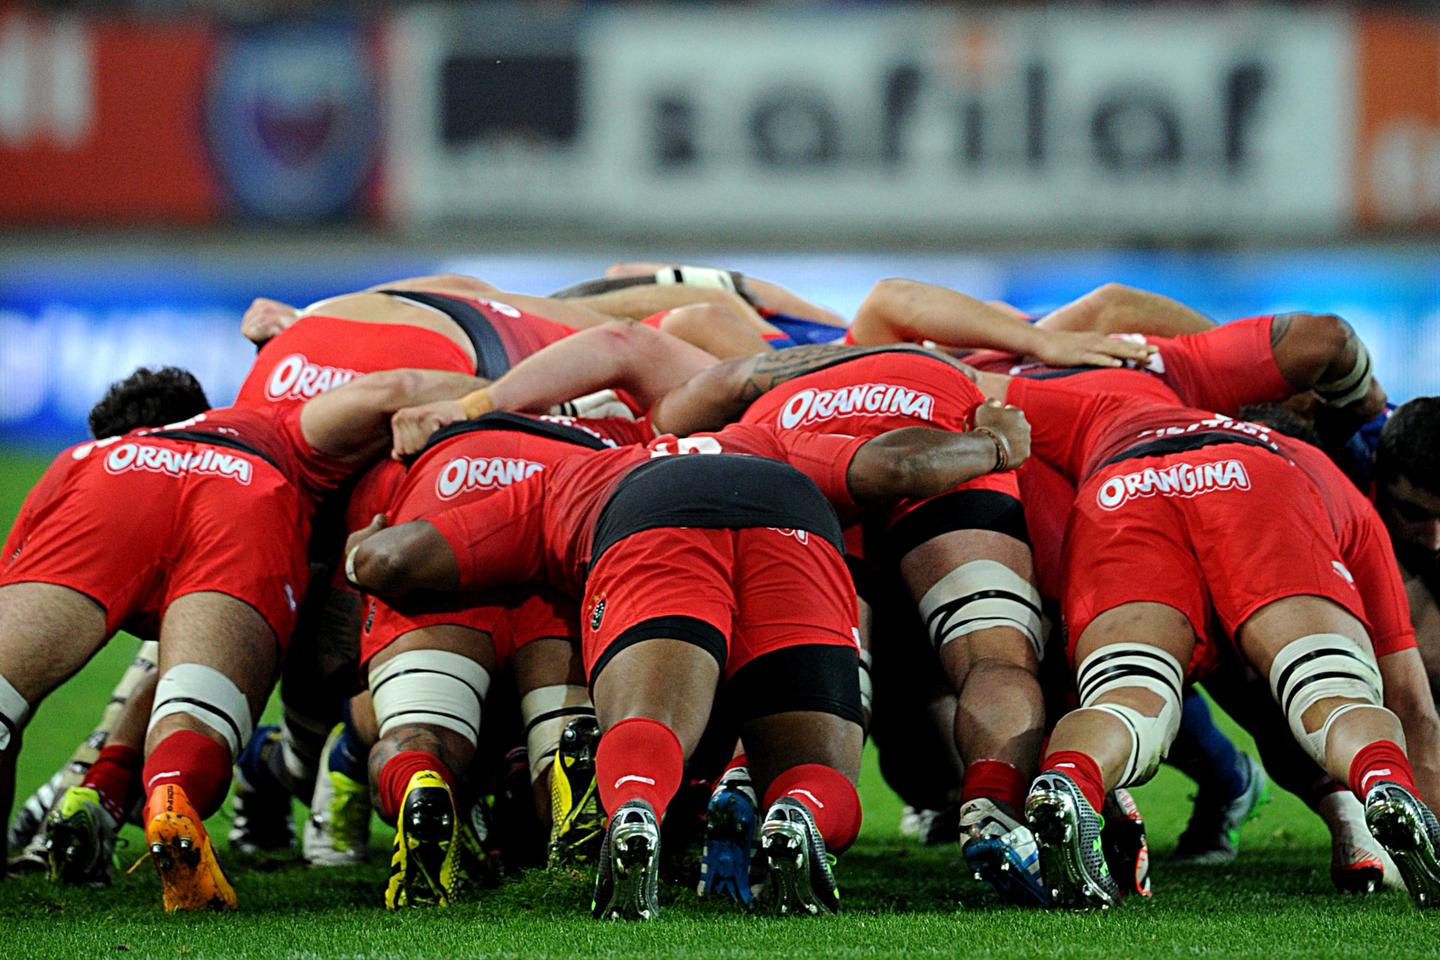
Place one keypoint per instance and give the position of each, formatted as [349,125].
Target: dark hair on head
[147,398]
[1410,445]
[1281,419]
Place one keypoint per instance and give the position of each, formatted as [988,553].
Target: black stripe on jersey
[491,357]
[516,423]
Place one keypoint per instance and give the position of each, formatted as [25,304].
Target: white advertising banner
[902,121]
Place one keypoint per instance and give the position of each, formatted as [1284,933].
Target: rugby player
[693,569]
[1284,590]
[216,515]
[430,663]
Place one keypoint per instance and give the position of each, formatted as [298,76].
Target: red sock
[995,780]
[195,763]
[829,796]
[1081,768]
[639,759]
[1381,760]
[113,776]
[395,777]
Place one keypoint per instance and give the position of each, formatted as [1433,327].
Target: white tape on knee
[977,596]
[1136,666]
[867,685]
[210,697]
[433,687]
[545,711]
[1317,667]
[14,711]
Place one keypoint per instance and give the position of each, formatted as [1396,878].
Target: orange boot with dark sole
[180,848]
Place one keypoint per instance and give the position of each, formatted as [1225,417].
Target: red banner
[103,121]
[1397,162]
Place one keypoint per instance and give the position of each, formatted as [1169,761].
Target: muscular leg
[222,636]
[1000,712]
[1263,638]
[406,746]
[47,633]
[551,674]
[1103,735]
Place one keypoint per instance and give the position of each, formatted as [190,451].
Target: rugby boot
[577,828]
[1001,851]
[729,838]
[1358,864]
[1410,832]
[424,866]
[175,838]
[263,824]
[1127,849]
[479,855]
[628,880]
[25,838]
[1072,856]
[1213,833]
[337,832]
[799,878]
[80,838]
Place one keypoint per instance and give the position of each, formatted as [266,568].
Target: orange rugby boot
[175,836]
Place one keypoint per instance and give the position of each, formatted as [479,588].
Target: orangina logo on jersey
[177,463]
[296,378]
[1176,480]
[864,399]
[482,473]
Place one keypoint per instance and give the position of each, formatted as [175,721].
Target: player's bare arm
[353,421]
[909,310]
[396,561]
[923,462]
[1117,308]
[1320,352]
[626,356]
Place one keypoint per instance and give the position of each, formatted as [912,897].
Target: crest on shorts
[597,612]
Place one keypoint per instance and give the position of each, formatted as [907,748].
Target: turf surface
[1274,901]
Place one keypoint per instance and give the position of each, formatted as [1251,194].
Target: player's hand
[412,426]
[357,537]
[1010,423]
[1082,348]
[265,318]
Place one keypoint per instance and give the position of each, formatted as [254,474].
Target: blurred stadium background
[162,161]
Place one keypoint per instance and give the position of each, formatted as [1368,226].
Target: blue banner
[69,328]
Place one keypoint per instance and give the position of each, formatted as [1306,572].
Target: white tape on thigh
[977,596]
[210,697]
[545,711]
[1136,666]
[433,687]
[1317,667]
[14,711]
[867,685]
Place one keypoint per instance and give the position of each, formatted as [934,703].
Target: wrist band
[350,565]
[476,402]
[1002,448]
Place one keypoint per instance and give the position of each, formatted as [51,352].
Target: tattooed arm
[720,394]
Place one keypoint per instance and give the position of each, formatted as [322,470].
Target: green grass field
[1274,901]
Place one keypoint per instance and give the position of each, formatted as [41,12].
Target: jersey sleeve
[318,473]
[498,539]
[1225,368]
